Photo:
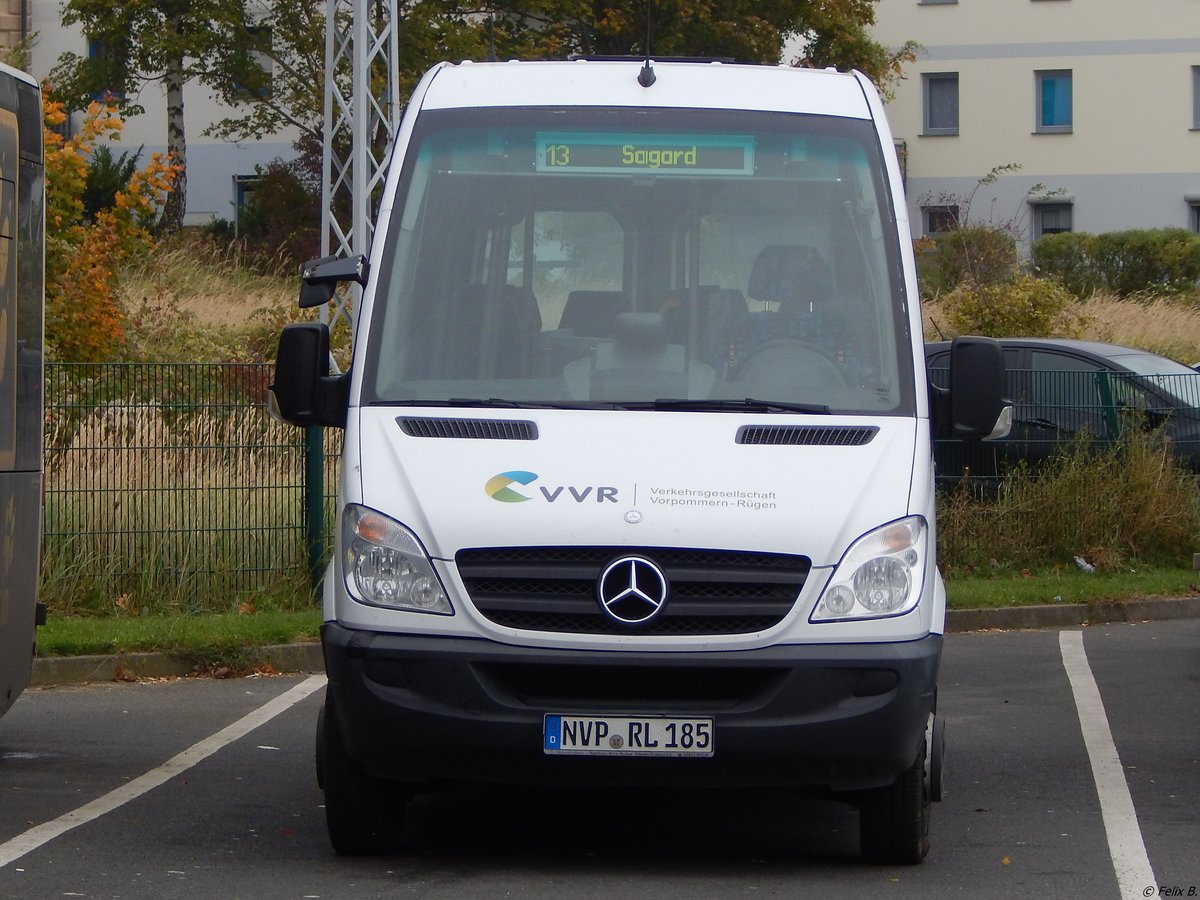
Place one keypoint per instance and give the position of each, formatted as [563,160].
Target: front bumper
[424,710]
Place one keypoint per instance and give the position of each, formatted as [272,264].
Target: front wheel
[894,820]
[364,814]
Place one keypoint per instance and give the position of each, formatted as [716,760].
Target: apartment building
[14,21]
[219,172]
[1096,101]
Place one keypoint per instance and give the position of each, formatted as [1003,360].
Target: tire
[894,820]
[364,814]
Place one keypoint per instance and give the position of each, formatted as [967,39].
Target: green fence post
[1108,407]
[314,499]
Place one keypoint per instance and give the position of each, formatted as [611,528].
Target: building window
[109,67]
[935,2]
[1196,98]
[939,219]
[244,187]
[1052,218]
[255,67]
[1053,101]
[1194,215]
[941,102]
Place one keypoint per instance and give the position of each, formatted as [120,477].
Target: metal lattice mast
[362,113]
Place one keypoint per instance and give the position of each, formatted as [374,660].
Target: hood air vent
[472,429]
[807,435]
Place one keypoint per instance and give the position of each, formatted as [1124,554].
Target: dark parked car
[1061,388]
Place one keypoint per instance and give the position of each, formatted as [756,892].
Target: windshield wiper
[504,403]
[481,403]
[746,404]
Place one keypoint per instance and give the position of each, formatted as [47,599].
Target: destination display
[653,154]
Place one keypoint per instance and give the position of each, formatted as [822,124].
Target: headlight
[880,575]
[384,564]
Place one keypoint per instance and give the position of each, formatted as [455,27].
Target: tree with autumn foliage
[826,32]
[84,321]
[289,35]
[166,42]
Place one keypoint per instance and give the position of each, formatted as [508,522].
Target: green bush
[106,176]
[1069,258]
[221,231]
[976,253]
[1161,260]
[1023,305]
[282,217]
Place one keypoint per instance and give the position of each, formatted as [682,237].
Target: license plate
[628,736]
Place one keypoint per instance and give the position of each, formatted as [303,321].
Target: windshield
[632,256]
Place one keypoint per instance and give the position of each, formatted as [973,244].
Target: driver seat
[792,275]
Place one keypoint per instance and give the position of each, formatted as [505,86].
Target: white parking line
[1125,844]
[48,831]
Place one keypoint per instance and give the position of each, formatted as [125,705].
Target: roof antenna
[646,77]
[491,57]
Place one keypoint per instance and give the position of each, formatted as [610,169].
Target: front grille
[554,588]
[629,688]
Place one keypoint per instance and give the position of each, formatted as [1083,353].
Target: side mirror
[974,405]
[978,384]
[304,393]
[319,277]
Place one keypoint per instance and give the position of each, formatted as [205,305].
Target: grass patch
[229,639]
[217,637]
[1065,586]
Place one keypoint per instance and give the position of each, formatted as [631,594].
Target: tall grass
[196,301]
[151,513]
[1169,326]
[195,268]
[1130,503]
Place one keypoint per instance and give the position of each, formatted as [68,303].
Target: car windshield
[641,257]
[1174,378]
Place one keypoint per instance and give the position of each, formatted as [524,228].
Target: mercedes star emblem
[632,590]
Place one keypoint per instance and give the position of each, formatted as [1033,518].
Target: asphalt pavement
[1073,771]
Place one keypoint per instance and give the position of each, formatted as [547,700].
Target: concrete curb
[51,670]
[48,670]
[1071,615]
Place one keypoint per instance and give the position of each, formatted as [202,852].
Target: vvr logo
[500,487]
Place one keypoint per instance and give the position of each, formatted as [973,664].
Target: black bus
[22,282]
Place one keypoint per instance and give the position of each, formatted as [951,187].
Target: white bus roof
[678,85]
[18,74]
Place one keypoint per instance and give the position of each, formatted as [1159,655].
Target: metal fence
[1054,411]
[171,479]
